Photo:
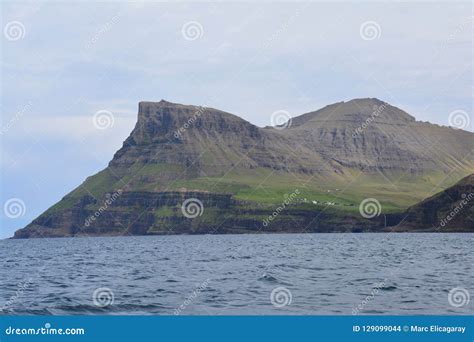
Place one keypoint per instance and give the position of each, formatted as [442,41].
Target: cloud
[77,128]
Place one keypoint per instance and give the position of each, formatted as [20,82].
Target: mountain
[449,210]
[334,157]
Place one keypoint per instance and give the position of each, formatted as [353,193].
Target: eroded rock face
[449,210]
[176,152]
[148,213]
[362,134]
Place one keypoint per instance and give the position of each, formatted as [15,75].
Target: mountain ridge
[341,153]
[170,118]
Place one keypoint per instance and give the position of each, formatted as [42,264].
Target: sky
[72,74]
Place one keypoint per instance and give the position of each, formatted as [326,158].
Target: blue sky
[64,61]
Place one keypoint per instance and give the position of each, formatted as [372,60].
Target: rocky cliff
[447,211]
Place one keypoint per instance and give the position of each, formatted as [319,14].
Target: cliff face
[171,134]
[157,213]
[449,210]
[335,156]
[369,134]
[363,134]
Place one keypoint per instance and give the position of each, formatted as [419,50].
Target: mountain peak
[366,100]
[357,111]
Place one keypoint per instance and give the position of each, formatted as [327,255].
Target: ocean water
[297,274]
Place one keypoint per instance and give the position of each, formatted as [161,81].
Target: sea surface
[302,274]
